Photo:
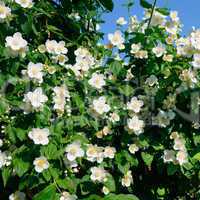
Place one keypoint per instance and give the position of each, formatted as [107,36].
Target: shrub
[87,121]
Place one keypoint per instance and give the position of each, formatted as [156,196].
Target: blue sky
[189,13]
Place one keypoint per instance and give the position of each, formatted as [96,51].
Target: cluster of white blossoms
[159,50]
[16,44]
[135,105]
[138,52]
[121,21]
[35,100]
[4,11]
[61,94]
[163,118]
[133,148]
[98,174]
[25,3]
[134,124]
[41,163]
[17,196]
[84,61]
[116,39]
[5,159]
[127,180]
[34,71]
[56,48]
[68,196]
[97,81]
[100,106]
[179,152]
[96,153]
[74,151]
[39,136]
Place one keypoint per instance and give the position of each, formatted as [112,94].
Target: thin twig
[153,8]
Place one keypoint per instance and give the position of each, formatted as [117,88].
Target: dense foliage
[82,120]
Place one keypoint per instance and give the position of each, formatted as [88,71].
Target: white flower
[152,80]
[174,16]
[105,190]
[114,117]
[4,11]
[100,106]
[133,24]
[16,43]
[60,48]
[95,153]
[34,71]
[135,48]
[142,54]
[92,152]
[116,39]
[195,39]
[179,144]
[127,180]
[25,3]
[54,47]
[121,21]
[188,76]
[135,105]
[133,148]
[157,18]
[136,125]
[36,98]
[84,61]
[196,61]
[39,136]
[97,81]
[41,163]
[74,151]
[168,58]
[17,196]
[98,174]
[68,196]
[109,152]
[61,59]
[182,157]
[169,156]
[60,94]
[3,159]
[159,50]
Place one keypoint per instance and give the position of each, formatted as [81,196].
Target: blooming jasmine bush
[81,120]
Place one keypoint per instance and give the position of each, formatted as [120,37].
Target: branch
[153,8]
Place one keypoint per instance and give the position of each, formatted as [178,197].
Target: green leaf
[116,68]
[110,183]
[79,102]
[121,197]
[108,4]
[6,173]
[20,166]
[161,191]
[69,184]
[172,169]
[145,4]
[93,197]
[163,11]
[49,193]
[197,156]
[147,158]
[50,151]
[126,90]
